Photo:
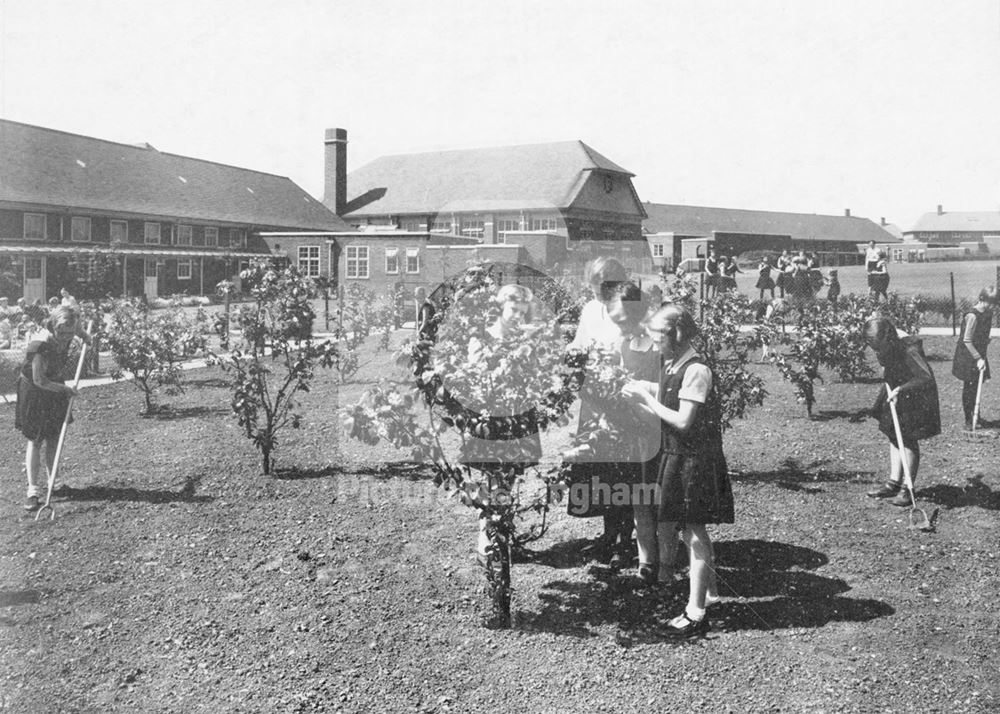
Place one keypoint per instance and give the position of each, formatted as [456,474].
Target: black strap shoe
[690,628]
[886,490]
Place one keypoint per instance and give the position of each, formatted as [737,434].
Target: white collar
[675,364]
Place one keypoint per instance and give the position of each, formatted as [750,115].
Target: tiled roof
[966,221]
[49,167]
[511,177]
[703,221]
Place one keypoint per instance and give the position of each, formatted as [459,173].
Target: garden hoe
[974,434]
[62,435]
[918,516]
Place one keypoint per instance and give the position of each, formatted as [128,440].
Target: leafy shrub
[276,356]
[9,369]
[148,347]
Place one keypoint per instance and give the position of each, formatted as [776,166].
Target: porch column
[201,274]
[124,274]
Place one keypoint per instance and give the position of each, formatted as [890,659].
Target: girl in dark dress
[693,480]
[784,271]
[712,274]
[914,390]
[728,269]
[43,397]
[970,353]
[764,280]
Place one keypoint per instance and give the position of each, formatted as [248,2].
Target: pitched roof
[49,167]
[703,221]
[503,178]
[958,221]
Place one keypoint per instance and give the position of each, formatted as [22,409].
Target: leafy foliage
[276,356]
[360,313]
[149,346]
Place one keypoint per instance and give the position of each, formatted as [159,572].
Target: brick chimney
[335,170]
[940,210]
[882,221]
[847,212]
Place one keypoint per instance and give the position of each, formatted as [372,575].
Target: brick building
[174,224]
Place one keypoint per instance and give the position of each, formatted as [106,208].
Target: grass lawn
[176,578]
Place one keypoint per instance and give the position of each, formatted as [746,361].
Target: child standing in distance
[692,476]
[764,280]
[914,391]
[784,268]
[833,288]
[712,274]
[729,268]
[970,353]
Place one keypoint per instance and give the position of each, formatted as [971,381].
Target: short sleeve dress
[693,477]
[40,412]
[963,366]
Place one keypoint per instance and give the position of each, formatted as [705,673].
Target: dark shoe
[690,628]
[900,500]
[645,577]
[886,490]
[31,503]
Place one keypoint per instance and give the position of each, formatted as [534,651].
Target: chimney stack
[335,183]
[847,212]
[940,210]
[882,220]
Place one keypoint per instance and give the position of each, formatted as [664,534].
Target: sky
[884,107]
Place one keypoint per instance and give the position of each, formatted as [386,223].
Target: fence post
[701,302]
[953,306]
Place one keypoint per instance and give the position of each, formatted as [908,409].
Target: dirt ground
[175,578]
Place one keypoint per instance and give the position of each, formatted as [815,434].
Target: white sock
[32,491]
[694,613]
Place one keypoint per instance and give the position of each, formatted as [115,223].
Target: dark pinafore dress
[764,280]
[963,366]
[40,413]
[693,478]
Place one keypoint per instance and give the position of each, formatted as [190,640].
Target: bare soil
[175,578]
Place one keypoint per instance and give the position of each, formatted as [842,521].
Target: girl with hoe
[970,353]
[43,397]
[913,389]
[693,480]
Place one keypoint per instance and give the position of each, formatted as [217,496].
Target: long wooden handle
[907,478]
[65,424]
[979,394]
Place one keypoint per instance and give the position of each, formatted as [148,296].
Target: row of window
[80,230]
[475,227]
[357,261]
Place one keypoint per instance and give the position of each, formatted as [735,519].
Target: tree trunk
[266,461]
[494,547]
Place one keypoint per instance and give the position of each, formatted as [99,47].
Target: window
[657,250]
[119,232]
[33,268]
[357,261]
[309,260]
[150,270]
[79,228]
[34,226]
[411,226]
[504,225]
[441,226]
[392,261]
[184,236]
[211,237]
[184,269]
[472,227]
[237,238]
[543,224]
[151,233]
[412,260]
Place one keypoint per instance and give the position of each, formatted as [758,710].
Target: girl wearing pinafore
[43,397]
[970,353]
[764,280]
[913,389]
[693,480]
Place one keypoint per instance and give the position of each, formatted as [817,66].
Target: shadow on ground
[186,494]
[974,493]
[169,413]
[10,598]
[409,470]
[766,586]
[794,475]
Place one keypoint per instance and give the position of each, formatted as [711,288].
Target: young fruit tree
[148,346]
[275,357]
[486,394]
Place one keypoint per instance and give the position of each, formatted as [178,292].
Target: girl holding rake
[914,391]
[970,364]
[693,480]
[43,397]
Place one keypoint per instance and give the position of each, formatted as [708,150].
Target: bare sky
[886,107]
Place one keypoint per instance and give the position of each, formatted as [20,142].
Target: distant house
[534,193]
[676,233]
[176,224]
[957,233]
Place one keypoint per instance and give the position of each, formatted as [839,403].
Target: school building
[171,224]
[683,234]
[945,235]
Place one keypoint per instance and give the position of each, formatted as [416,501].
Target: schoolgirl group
[683,456]
[797,278]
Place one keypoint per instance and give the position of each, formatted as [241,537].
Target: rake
[62,435]
[974,434]
[918,517]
